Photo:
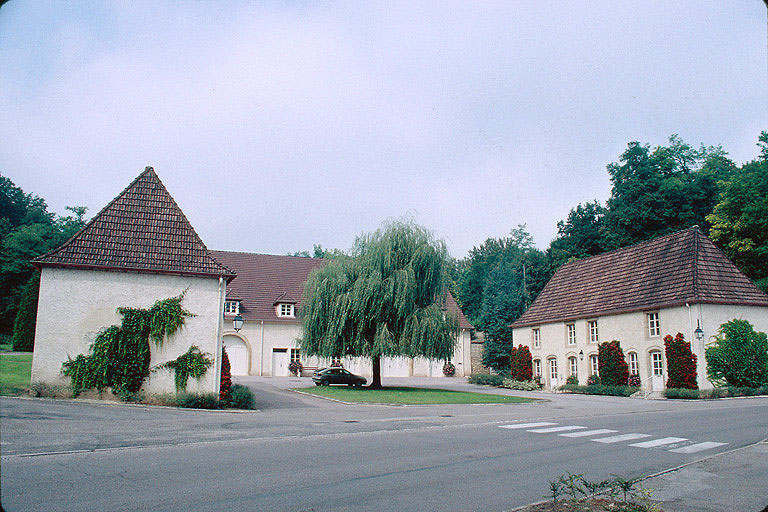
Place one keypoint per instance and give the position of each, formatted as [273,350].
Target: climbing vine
[119,357]
[192,363]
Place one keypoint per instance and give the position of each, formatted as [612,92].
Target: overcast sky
[277,125]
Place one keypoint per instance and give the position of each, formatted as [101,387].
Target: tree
[740,219]
[384,300]
[681,362]
[503,301]
[225,382]
[24,326]
[612,366]
[579,236]
[738,356]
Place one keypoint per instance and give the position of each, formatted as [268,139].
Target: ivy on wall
[192,363]
[119,357]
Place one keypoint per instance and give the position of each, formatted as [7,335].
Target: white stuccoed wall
[75,305]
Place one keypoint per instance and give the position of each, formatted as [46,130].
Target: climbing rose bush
[226,377]
[521,363]
[612,366]
[681,362]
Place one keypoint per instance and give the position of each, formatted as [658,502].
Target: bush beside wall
[681,363]
[613,368]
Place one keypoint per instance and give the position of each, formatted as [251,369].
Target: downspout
[261,356]
[219,328]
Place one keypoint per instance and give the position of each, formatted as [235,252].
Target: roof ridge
[696,263]
[265,254]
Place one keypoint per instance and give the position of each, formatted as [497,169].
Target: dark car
[337,376]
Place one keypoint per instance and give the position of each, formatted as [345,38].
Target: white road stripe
[659,442]
[693,448]
[527,425]
[620,438]
[586,433]
[556,429]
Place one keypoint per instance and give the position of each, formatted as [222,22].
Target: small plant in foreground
[241,397]
[198,400]
[574,492]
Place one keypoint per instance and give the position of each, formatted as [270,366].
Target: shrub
[738,356]
[241,397]
[598,389]
[24,326]
[45,390]
[198,400]
[521,363]
[295,367]
[449,370]
[686,393]
[486,379]
[572,379]
[681,362]
[192,363]
[522,385]
[594,380]
[225,384]
[634,380]
[612,366]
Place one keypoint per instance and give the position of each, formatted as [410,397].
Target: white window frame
[573,366]
[594,365]
[592,331]
[537,367]
[286,310]
[536,338]
[657,364]
[295,354]
[229,310]
[654,326]
[552,363]
[634,368]
[571,330]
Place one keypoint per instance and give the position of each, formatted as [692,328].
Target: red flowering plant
[449,370]
[681,362]
[521,363]
[226,377]
[612,366]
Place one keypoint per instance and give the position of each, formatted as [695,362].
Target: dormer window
[232,307]
[285,310]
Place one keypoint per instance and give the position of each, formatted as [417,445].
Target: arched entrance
[237,351]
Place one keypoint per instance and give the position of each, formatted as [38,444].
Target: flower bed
[599,389]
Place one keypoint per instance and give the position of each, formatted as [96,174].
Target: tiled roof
[672,270]
[264,280]
[142,229]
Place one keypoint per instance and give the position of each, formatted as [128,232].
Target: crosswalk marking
[620,438]
[585,433]
[659,442]
[528,425]
[556,429]
[693,448]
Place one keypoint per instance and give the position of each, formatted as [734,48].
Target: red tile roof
[672,270]
[265,280]
[142,229]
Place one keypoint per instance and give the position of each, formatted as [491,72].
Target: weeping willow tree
[385,300]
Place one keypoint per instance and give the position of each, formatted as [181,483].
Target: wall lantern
[698,333]
[581,355]
[237,323]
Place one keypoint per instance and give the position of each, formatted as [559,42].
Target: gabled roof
[672,270]
[142,229]
[265,280]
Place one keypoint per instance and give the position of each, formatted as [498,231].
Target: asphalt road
[300,453]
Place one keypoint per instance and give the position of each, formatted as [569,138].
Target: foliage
[485,379]
[574,492]
[521,363]
[46,390]
[738,356]
[572,379]
[386,299]
[598,389]
[241,397]
[295,367]
[679,392]
[319,252]
[579,236]
[613,368]
[408,395]
[192,363]
[449,370]
[119,357]
[15,372]
[522,385]
[198,400]
[594,380]
[740,218]
[225,381]
[24,326]
[634,380]
[681,362]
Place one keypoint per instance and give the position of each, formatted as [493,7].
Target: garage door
[237,351]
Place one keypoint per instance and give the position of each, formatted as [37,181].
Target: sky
[279,125]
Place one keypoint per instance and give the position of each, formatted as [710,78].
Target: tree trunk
[376,382]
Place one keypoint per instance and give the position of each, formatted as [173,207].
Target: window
[653,324]
[285,310]
[656,364]
[295,354]
[537,367]
[571,334]
[573,366]
[231,307]
[536,338]
[592,326]
[633,369]
[594,365]
[553,369]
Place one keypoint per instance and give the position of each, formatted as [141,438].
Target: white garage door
[237,352]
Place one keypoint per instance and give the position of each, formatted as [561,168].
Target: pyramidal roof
[671,270]
[142,229]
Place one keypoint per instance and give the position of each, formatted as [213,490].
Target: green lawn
[14,372]
[404,395]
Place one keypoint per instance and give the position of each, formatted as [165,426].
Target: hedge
[486,379]
[693,394]
[599,389]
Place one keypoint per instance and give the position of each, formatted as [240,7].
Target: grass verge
[14,373]
[412,396]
